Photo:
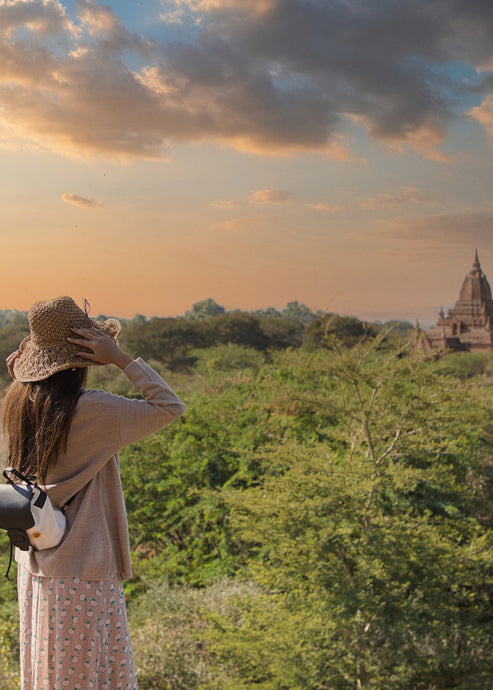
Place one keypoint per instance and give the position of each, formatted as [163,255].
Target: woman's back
[102,424]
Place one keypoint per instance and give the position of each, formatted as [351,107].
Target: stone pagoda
[469,325]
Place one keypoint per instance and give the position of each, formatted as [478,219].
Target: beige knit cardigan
[96,544]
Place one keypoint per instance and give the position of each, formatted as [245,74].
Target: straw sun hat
[46,350]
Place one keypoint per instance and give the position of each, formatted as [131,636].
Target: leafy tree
[238,327]
[204,309]
[228,359]
[298,312]
[177,514]
[166,340]
[374,567]
[138,320]
[269,312]
[403,329]
[281,332]
[173,340]
[464,365]
[348,329]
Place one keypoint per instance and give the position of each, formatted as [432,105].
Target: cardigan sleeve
[104,423]
[140,418]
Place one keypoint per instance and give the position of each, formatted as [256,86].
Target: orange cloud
[253,6]
[46,19]
[265,197]
[484,115]
[423,139]
[336,147]
[80,201]
[234,224]
[226,205]
[326,208]
[98,18]
[407,195]
[472,229]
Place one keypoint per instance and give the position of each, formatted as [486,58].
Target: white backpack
[28,516]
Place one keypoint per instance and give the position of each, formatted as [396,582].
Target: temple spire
[469,325]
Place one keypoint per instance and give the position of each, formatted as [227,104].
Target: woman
[74,630]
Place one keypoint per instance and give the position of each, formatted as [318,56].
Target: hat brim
[36,362]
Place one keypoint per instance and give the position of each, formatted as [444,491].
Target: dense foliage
[318,519]
[374,560]
[174,340]
[352,490]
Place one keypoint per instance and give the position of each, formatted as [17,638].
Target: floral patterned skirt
[73,634]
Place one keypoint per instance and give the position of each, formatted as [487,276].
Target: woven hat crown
[46,350]
[50,321]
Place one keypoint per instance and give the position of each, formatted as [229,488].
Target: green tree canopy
[204,309]
[298,312]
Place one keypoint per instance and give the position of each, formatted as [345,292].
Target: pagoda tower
[468,326]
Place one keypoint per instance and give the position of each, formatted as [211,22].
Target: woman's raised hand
[104,350]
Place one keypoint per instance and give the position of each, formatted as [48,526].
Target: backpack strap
[19,538]
[67,503]
[11,470]
[6,573]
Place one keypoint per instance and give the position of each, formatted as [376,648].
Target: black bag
[28,516]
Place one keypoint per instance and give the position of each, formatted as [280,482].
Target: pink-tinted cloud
[80,201]
[484,115]
[44,19]
[407,195]
[256,6]
[325,208]
[471,229]
[239,223]
[267,197]
[226,205]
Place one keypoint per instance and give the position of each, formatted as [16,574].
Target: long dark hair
[36,418]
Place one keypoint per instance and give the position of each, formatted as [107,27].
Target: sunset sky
[335,152]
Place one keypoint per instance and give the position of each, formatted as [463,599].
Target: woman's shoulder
[97,407]
[94,397]
[94,394]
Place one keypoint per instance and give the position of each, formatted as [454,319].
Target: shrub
[167,628]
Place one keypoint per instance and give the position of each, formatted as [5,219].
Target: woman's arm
[135,419]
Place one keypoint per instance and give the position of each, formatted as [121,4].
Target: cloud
[80,201]
[175,17]
[266,76]
[256,6]
[326,208]
[484,115]
[98,19]
[226,205]
[471,229]
[424,139]
[235,224]
[266,197]
[46,19]
[407,195]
